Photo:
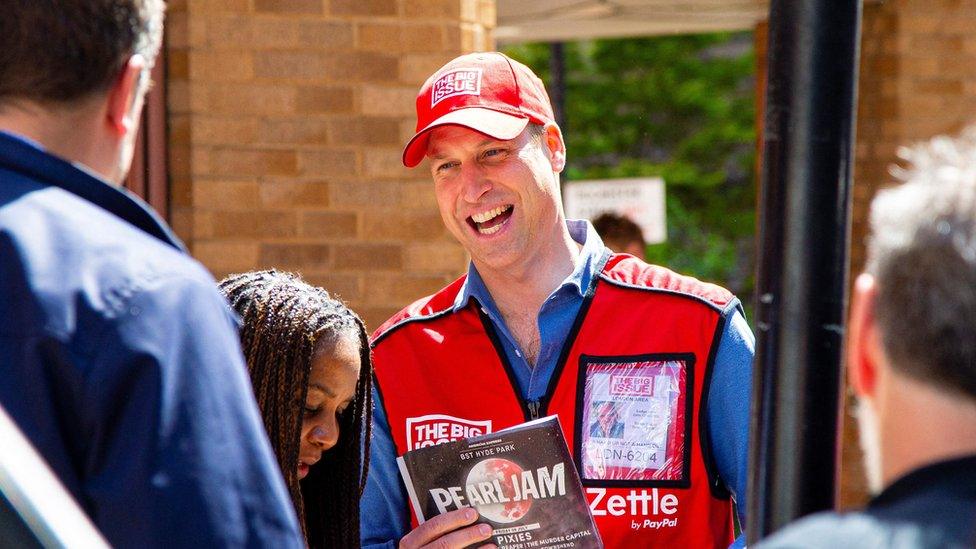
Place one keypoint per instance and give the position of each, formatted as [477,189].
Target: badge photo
[634,421]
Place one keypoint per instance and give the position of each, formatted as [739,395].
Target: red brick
[324,99]
[363,66]
[179,129]
[293,65]
[249,162]
[440,257]
[939,87]
[365,195]
[255,224]
[365,131]
[220,66]
[378,36]
[180,192]
[329,225]
[288,6]
[421,39]
[294,131]
[389,101]
[226,256]
[401,288]
[177,64]
[326,35]
[261,99]
[370,8]
[225,195]
[381,225]
[368,255]
[295,256]
[387,162]
[433,9]
[328,162]
[294,194]
[223,130]
[201,7]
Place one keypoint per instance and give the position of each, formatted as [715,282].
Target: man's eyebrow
[328,391]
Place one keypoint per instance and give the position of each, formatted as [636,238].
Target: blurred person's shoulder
[931,507]
[67,258]
[843,531]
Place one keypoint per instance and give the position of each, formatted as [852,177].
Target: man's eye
[309,411]
[446,166]
[494,152]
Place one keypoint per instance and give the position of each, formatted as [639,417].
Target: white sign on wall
[640,199]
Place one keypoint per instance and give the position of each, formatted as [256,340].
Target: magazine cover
[521,480]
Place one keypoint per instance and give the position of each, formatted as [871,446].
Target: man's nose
[475,182]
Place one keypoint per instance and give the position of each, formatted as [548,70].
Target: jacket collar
[23,156]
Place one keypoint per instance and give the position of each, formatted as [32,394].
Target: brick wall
[918,79]
[287,119]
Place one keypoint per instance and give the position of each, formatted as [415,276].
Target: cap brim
[494,124]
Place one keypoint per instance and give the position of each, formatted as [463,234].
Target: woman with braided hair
[309,360]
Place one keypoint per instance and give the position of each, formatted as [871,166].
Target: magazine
[521,480]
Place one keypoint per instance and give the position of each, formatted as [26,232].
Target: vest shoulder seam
[721,309]
[409,320]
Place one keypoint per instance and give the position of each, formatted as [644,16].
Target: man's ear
[864,352]
[557,149]
[125,95]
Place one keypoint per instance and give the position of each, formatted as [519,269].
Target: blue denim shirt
[119,360]
[385,511]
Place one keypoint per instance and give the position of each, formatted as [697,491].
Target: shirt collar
[24,156]
[582,232]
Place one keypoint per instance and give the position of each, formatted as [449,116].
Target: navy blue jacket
[932,507]
[120,362]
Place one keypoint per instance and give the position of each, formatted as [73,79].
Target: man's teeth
[489,215]
[490,230]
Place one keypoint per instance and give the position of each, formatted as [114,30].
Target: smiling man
[549,321]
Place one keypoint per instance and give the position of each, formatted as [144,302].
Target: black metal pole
[557,88]
[802,274]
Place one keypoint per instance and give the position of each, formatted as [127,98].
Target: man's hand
[448,531]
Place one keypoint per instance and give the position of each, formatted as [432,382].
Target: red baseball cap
[487,92]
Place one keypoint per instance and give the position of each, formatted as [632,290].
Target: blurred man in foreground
[118,357]
[912,363]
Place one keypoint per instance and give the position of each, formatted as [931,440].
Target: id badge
[634,419]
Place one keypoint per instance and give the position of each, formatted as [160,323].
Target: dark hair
[922,253]
[617,231]
[63,50]
[285,321]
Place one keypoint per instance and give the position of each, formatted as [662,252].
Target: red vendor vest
[629,389]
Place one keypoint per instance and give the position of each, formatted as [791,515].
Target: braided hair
[286,321]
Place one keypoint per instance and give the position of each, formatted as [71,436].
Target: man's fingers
[445,529]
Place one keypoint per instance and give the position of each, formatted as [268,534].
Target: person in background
[309,360]
[119,359]
[620,234]
[911,359]
[544,318]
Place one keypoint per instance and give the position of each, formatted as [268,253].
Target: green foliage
[679,107]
